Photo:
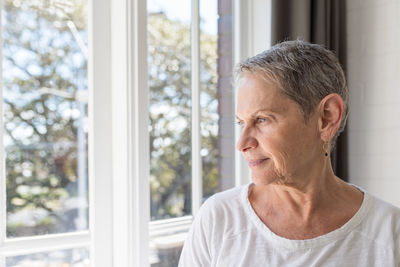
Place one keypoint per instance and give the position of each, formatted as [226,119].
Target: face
[278,144]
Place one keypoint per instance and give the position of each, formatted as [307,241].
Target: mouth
[256,162]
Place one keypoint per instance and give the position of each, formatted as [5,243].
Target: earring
[325,147]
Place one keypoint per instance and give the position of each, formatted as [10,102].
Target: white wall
[373,50]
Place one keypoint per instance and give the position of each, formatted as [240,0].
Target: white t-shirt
[227,232]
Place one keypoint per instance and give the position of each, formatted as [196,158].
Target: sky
[181,10]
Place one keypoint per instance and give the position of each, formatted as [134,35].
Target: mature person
[292,105]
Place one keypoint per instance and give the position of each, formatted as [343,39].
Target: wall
[226,146]
[373,71]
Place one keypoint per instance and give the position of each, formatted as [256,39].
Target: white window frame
[100,232]
[130,133]
[100,134]
[132,226]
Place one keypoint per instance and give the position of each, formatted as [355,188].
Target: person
[292,105]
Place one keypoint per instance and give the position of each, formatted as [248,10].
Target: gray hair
[305,72]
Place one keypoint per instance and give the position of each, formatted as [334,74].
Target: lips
[256,162]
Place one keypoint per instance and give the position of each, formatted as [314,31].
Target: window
[45,127]
[56,134]
[170,111]
[45,117]
[186,80]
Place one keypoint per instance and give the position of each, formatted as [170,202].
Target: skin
[295,192]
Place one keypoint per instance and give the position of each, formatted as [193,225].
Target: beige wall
[373,69]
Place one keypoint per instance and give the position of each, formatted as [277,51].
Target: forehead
[258,93]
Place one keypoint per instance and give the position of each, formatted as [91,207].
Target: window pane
[209,95]
[45,112]
[61,258]
[169,68]
[170,107]
[169,62]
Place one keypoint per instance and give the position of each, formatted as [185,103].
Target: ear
[331,111]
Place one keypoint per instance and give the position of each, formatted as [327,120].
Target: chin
[263,179]
[266,178]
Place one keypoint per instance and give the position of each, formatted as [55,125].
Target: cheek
[281,160]
[275,146]
[285,151]
[296,152]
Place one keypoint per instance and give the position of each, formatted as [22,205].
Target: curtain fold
[322,22]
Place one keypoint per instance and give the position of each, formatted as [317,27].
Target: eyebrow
[260,111]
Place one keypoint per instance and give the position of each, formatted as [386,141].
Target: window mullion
[121,202]
[100,143]
[197,188]
[130,133]
[140,140]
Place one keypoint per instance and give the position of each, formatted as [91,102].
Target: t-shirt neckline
[306,243]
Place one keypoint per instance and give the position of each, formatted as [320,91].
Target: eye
[240,123]
[261,120]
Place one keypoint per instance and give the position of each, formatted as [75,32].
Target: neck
[305,196]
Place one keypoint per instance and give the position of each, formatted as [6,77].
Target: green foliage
[44,69]
[170,115]
[41,57]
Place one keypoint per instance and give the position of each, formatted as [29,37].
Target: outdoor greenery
[170,115]
[45,115]
[44,84]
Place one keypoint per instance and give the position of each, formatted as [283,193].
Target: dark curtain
[321,22]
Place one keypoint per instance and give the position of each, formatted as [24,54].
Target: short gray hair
[305,72]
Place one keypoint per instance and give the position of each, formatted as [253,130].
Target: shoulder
[211,225]
[383,211]
[378,210]
[382,223]
[225,203]
[226,196]
[223,214]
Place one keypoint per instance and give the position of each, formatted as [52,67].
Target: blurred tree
[170,115]
[44,69]
[45,72]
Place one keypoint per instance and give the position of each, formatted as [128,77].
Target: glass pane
[78,257]
[45,115]
[169,62]
[170,107]
[209,95]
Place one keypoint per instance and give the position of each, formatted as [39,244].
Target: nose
[246,141]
